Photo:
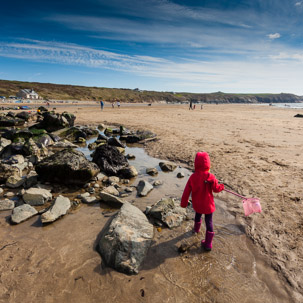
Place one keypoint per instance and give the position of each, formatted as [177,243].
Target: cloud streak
[204,75]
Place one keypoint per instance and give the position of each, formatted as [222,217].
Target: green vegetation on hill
[75,92]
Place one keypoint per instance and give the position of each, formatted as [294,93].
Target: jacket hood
[202,161]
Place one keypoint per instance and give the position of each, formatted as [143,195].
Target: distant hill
[74,92]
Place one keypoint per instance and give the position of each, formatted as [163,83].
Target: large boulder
[68,167]
[58,209]
[109,159]
[125,241]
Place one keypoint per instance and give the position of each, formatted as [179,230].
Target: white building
[28,94]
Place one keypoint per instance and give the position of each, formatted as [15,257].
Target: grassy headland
[84,93]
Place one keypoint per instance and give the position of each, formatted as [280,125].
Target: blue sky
[194,46]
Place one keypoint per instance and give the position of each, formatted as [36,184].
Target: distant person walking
[101,104]
[118,104]
[190,104]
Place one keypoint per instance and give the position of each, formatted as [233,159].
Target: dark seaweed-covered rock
[52,121]
[76,132]
[68,167]
[115,142]
[9,121]
[24,115]
[109,159]
[298,116]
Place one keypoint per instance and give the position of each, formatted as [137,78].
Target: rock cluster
[41,160]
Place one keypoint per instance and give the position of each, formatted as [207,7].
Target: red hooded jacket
[201,184]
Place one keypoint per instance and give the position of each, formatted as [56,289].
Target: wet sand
[254,149]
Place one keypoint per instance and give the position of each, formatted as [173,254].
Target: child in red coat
[201,184]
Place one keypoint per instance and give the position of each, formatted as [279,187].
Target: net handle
[231,192]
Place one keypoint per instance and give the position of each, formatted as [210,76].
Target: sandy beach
[254,149]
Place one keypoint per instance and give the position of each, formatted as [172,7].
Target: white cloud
[272,73]
[274,36]
[298,3]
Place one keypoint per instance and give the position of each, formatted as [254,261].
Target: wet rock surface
[67,167]
[22,213]
[144,188]
[59,208]
[109,159]
[125,241]
[167,211]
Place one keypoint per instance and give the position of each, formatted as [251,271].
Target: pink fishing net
[251,205]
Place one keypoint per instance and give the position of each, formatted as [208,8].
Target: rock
[44,139]
[89,200]
[144,188]
[36,196]
[31,148]
[52,122]
[24,115]
[113,180]
[120,149]
[84,195]
[298,116]
[14,181]
[152,171]
[7,204]
[81,140]
[109,159]
[102,137]
[129,189]
[180,175]
[4,142]
[169,212]
[111,200]
[113,141]
[100,177]
[57,210]
[111,190]
[7,171]
[31,179]
[128,172]
[22,213]
[21,135]
[125,241]
[9,121]
[1,190]
[130,157]
[64,144]
[167,166]
[67,167]
[9,194]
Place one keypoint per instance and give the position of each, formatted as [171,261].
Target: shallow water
[59,262]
